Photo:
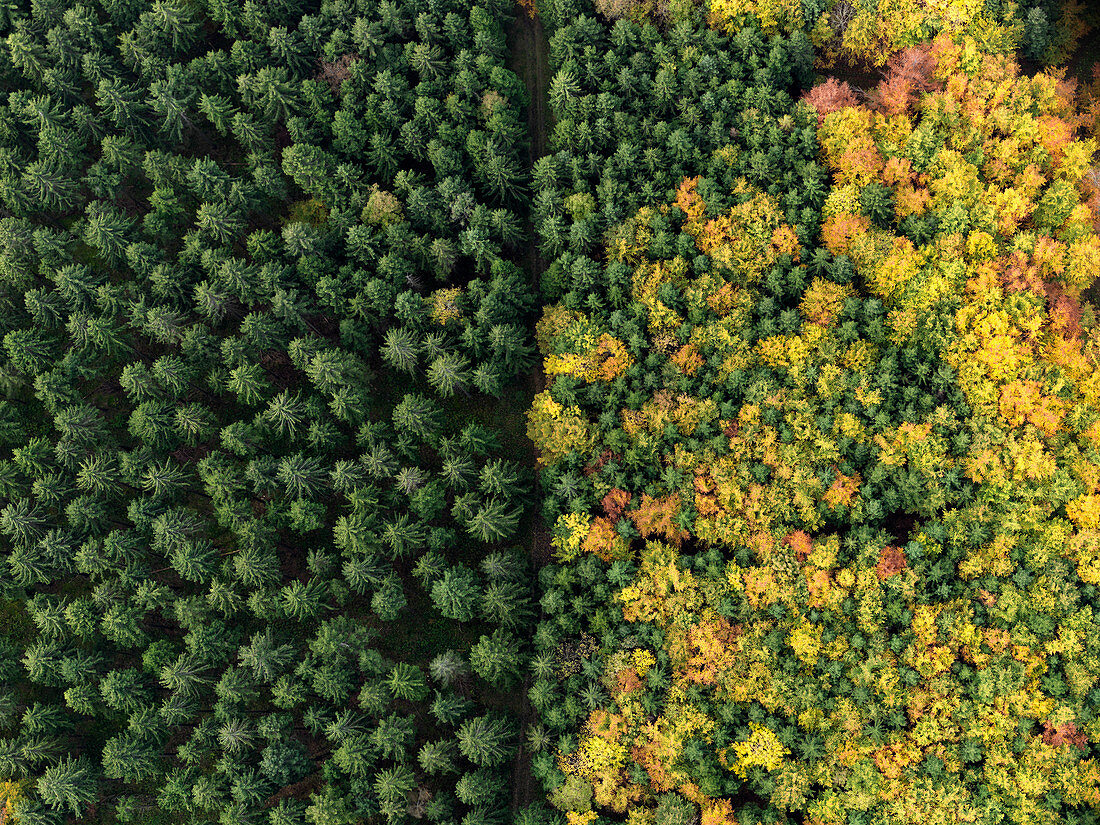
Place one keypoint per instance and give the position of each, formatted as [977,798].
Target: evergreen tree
[68,785]
[485,740]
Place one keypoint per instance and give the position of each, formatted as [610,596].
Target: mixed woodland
[735,460]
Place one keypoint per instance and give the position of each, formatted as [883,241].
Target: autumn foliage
[861,559]
[869,33]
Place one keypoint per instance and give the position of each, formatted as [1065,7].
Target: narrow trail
[528,58]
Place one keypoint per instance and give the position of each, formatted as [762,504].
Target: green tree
[486,740]
[303,600]
[493,521]
[235,736]
[448,667]
[448,374]
[69,784]
[419,416]
[505,603]
[406,681]
[400,349]
[218,110]
[496,658]
[130,758]
[219,222]
[438,757]
[393,736]
[285,762]
[393,785]
[449,708]
[265,657]
[356,755]
[389,599]
[457,593]
[126,689]
[108,230]
[482,788]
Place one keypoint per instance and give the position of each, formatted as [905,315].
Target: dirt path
[529,52]
[529,59]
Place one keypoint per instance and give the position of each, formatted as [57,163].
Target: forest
[481,412]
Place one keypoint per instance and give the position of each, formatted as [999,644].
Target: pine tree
[438,757]
[448,667]
[456,594]
[485,740]
[496,658]
[493,521]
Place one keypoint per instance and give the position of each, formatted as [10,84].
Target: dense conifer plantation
[259,556]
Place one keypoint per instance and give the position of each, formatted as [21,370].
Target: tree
[302,475]
[448,374]
[392,785]
[130,758]
[505,566]
[419,416]
[164,480]
[122,103]
[482,788]
[345,724]
[194,559]
[303,601]
[235,736]
[126,689]
[510,347]
[456,594]
[403,535]
[21,522]
[356,755]
[496,658]
[266,658]
[287,812]
[249,383]
[500,479]
[501,172]
[485,740]
[285,762]
[270,91]
[364,572]
[450,708]
[406,682]
[400,349]
[47,184]
[256,566]
[448,667]
[505,603]
[107,230]
[218,110]
[392,736]
[389,599]
[121,623]
[312,169]
[492,521]
[219,222]
[438,757]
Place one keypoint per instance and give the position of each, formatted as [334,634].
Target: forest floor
[529,59]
